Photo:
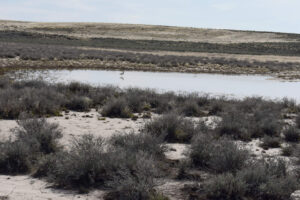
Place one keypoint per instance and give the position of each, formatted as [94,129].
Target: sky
[259,15]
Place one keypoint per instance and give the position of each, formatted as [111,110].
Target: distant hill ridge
[148,32]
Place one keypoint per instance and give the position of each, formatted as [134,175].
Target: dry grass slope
[148,32]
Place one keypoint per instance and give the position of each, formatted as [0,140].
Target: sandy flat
[27,188]
[75,124]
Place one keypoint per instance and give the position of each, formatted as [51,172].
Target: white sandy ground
[27,188]
[74,124]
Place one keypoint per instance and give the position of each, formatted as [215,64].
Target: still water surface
[215,84]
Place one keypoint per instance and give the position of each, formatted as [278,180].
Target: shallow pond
[215,84]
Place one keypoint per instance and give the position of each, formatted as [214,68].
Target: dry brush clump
[126,165]
[40,135]
[298,121]
[141,155]
[251,118]
[226,187]
[171,128]
[136,181]
[15,157]
[270,142]
[38,99]
[269,180]
[34,138]
[192,105]
[139,141]
[292,134]
[81,166]
[217,155]
[117,108]
[43,99]
[264,180]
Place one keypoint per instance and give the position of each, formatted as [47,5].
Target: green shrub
[268,180]
[135,142]
[264,179]
[190,108]
[218,155]
[38,101]
[79,104]
[79,88]
[296,153]
[82,166]
[249,104]
[235,124]
[270,142]
[116,108]
[254,176]
[14,157]
[90,163]
[44,165]
[279,188]
[270,127]
[298,121]
[216,107]
[291,134]
[171,128]
[100,95]
[136,99]
[38,135]
[227,157]
[34,138]
[245,126]
[226,187]
[158,196]
[290,104]
[203,99]
[161,103]
[266,122]
[201,148]
[287,151]
[137,181]
[4,82]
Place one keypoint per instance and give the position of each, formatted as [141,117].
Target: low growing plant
[218,155]
[291,134]
[116,108]
[171,128]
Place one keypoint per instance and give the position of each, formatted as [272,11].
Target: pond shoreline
[12,64]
